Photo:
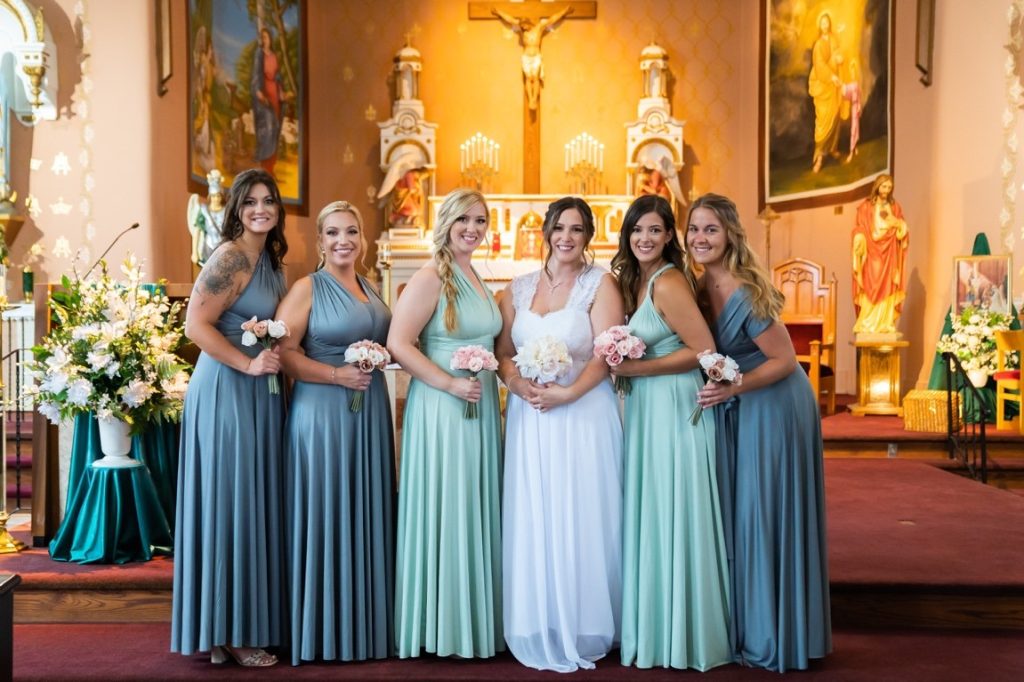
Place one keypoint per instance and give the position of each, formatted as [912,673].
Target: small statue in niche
[205,219]
[402,190]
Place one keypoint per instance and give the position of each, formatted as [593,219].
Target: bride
[563,459]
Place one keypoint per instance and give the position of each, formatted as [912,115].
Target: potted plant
[973,341]
[111,352]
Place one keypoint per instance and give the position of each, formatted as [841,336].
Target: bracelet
[334,370]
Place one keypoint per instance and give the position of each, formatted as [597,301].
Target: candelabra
[584,164]
[479,161]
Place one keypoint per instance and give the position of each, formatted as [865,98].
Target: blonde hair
[741,262]
[340,207]
[452,208]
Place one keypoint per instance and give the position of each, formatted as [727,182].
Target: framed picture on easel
[982,282]
[247,93]
[826,106]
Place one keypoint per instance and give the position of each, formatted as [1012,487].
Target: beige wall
[948,136]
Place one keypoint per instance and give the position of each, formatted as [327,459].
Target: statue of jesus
[530,36]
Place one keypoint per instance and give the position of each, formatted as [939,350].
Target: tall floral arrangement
[111,352]
[973,339]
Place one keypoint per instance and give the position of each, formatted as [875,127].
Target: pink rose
[714,373]
[248,326]
[614,359]
[260,329]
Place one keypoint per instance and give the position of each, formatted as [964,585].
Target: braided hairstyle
[452,208]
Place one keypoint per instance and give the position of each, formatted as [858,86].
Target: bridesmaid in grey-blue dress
[770,467]
[339,485]
[228,542]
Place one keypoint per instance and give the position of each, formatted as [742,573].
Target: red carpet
[899,522]
[117,652]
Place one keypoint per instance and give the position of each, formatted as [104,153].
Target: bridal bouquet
[264,332]
[719,369]
[543,359]
[616,344]
[473,359]
[111,352]
[367,356]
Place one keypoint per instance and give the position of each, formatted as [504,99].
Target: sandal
[249,657]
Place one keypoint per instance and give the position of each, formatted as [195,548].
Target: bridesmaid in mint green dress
[448,570]
[675,580]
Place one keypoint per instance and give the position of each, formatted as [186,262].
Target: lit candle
[497,150]
[600,158]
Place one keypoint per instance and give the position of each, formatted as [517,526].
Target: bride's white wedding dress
[562,501]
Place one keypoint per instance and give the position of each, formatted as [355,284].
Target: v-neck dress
[771,482]
[339,491]
[448,581]
[675,587]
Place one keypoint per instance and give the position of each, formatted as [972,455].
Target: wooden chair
[1008,380]
[810,317]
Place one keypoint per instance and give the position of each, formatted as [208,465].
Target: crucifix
[532,20]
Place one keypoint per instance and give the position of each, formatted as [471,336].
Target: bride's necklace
[551,284]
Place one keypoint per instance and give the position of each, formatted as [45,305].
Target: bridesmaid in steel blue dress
[228,545]
[770,470]
[339,486]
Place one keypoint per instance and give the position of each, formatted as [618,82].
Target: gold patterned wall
[472,82]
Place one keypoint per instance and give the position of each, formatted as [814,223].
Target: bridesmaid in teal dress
[770,468]
[675,576]
[228,545]
[339,486]
[448,574]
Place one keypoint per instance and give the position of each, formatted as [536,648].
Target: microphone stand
[125,231]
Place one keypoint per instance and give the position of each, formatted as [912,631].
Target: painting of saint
[826,100]
[246,92]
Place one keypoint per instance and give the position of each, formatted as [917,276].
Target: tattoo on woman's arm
[218,275]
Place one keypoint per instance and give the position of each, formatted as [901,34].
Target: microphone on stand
[107,250]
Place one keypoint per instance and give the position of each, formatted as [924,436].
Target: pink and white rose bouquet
[265,332]
[616,344]
[720,369]
[367,356]
[543,359]
[473,359]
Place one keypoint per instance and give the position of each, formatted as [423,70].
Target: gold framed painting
[826,106]
[982,282]
[247,93]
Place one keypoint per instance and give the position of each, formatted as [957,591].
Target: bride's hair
[555,210]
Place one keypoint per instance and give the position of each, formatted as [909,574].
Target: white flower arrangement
[973,339]
[111,352]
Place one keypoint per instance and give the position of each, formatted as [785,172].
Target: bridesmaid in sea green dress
[675,581]
[448,571]
[338,490]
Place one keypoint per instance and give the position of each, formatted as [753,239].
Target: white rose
[248,339]
[277,329]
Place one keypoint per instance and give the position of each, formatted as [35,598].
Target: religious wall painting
[826,110]
[982,282]
[247,93]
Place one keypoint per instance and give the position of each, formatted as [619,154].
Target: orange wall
[948,137]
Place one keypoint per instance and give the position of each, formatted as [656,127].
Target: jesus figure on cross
[530,36]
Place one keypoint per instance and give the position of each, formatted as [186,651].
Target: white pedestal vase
[116,443]
[978,377]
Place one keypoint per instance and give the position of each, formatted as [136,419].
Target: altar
[515,243]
